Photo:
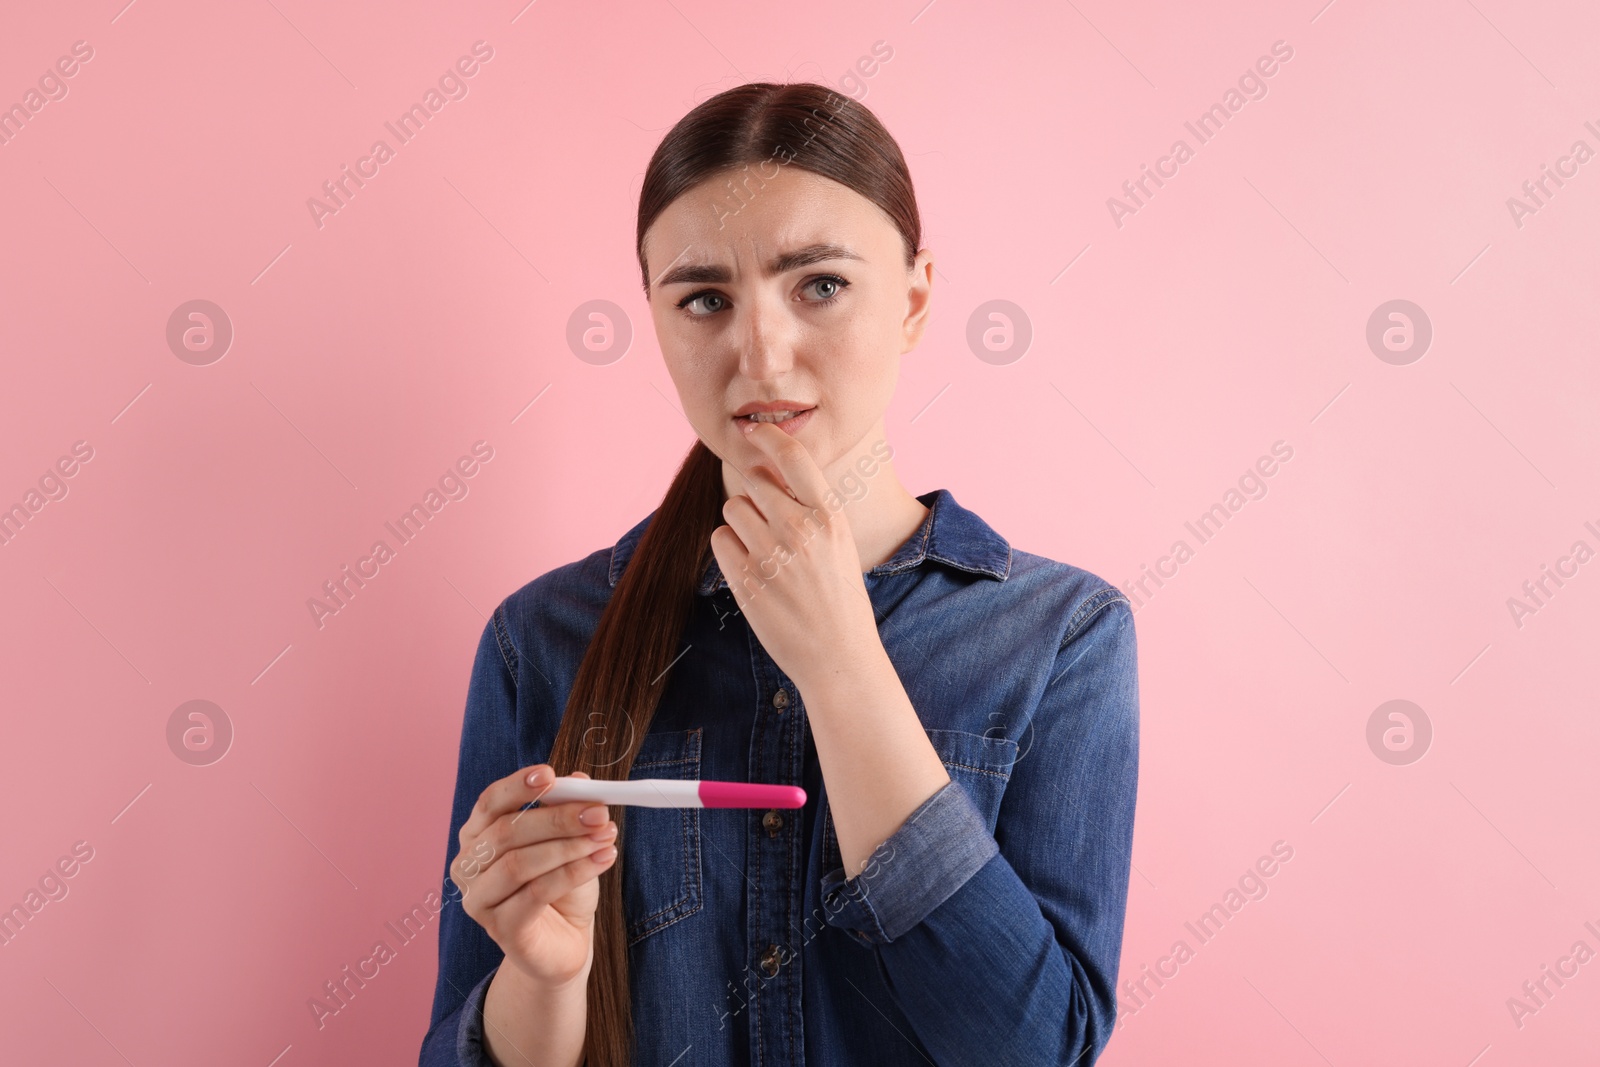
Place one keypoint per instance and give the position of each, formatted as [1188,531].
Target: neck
[881,512]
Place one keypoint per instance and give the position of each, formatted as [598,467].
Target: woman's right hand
[530,877]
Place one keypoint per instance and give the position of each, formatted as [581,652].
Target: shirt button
[780,699]
[773,822]
[769,961]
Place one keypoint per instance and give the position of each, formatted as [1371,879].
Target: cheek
[678,350]
[864,358]
[697,376]
[692,384]
[860,391]
[869,335]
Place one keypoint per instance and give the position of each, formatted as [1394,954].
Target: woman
[962,715]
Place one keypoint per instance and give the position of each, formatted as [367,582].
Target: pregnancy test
[674,793]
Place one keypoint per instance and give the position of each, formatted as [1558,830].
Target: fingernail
[592,816]
[539,777]
[605,855]
[601,835]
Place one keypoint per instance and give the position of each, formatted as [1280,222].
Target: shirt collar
[949,534]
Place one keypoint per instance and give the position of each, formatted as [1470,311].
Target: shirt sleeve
[1004,948]
[468,956]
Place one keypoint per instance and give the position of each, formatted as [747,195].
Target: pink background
[1230,312]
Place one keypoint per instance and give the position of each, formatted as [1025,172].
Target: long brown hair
[743,134]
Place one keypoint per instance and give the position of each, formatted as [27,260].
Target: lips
[790,420]
[773,406]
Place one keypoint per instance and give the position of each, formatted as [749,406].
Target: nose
[767,350]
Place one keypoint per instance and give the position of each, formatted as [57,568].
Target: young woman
[962,715]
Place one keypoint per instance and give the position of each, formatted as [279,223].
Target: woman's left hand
[793,565]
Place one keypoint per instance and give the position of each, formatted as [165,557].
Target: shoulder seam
[1092,606]
[502,638]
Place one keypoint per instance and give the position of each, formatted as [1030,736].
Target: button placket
[773,888]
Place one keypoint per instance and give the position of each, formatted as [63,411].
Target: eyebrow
[784,262]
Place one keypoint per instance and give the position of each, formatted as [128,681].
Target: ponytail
[614,698]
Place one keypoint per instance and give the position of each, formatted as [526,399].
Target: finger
[532,863]
[564,819]
[755,533]
[514,912]
[507,794]
[545,789]
[584,815]
[786,523]
[730,549]
[760,474]
[771,496]
[795,465]
[573,820]
[770,546]
[733,559]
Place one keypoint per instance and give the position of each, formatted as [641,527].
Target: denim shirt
[987,929]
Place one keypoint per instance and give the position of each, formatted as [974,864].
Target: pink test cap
[746,795]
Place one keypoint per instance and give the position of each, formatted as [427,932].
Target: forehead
[745,219]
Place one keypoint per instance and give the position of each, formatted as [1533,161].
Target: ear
[919,299]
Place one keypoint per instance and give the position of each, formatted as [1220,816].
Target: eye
[704,294]
[835,284]
[715,301]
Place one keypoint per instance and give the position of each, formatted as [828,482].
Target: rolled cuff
[466,1022]
[935,851]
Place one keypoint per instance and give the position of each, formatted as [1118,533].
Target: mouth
[789,420]
[771,416]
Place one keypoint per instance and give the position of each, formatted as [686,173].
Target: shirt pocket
[979,763]
[661,864]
